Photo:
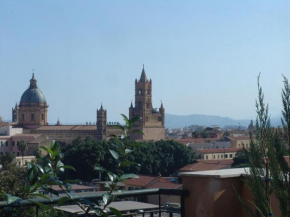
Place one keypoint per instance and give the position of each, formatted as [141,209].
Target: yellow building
[219,154]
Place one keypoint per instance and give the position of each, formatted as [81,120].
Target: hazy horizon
[203,56]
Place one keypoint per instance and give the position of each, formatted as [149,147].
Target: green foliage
[6,159]
[22,146]
[268,170]
[154,158]
[241,160]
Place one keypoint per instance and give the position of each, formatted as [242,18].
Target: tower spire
[143,77]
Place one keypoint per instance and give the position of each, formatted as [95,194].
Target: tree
[195,134]
[204,134]
[226,133]
[84,157]
[6,159]
[269,172]
[22,146]
[241,160]
[160,157]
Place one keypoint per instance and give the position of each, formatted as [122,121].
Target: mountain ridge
[179,121]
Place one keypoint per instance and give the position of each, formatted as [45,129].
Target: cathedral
[32,111]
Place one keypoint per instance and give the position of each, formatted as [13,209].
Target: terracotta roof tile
[166,185]
[141,181]
[203,165]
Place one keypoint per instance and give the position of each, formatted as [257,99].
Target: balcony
[128,208]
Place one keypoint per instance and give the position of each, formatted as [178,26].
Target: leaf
[39,195]
[137,132]
[133,120]
[119,127]
[107,186]
[11,198]
[107,198]
[40,168]
[114,154]
[111,176]
[59,166]
[113,136]
[99,168]
[127,151]
[68,167]
[62,200]
[116,212]
[50,190]
[126,119]
[128,176]
[48,150]
[44,177]
[127,163]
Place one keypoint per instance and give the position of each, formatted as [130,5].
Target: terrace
[204,194]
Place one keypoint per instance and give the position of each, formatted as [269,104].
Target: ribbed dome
[32,94]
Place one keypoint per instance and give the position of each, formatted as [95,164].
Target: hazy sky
[202,56]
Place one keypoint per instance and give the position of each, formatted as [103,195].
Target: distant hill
[178,121]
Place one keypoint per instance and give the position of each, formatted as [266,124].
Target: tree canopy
[153,158]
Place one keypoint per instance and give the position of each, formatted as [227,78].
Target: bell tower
[151,120]
[101,123]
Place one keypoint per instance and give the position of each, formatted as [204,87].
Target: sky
[203,56]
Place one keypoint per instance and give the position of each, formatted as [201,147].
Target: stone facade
[101,123]
[151,121]
[31,114]
[32,109]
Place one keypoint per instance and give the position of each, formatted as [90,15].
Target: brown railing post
[182,206]
[159,203]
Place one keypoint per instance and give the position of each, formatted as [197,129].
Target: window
[6,143]
[18,143]
[1,143]
[23,117]
[213,156]
[218,156]
[140,92]
[42,116]
[231,155]
[226,156]
[206,157]
[32,117]
[1,153]
[13,143]
[17,153]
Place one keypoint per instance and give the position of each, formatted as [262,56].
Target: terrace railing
[124,194]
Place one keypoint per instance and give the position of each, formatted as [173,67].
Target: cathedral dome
[32,94]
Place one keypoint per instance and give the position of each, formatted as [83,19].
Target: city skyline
[203,58]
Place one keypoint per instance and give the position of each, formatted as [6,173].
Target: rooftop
[228,173]
[205,165]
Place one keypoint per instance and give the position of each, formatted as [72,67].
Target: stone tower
[151,120]
[101,123]
[32,109]
[15,113]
